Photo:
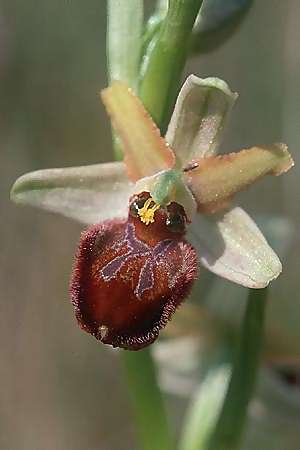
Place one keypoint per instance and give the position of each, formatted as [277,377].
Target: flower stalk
[150,416]
[123,46]
[218,413]
[165,59]
[232,418]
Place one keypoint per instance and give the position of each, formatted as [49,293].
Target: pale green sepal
[233,247]
[88,194]
[125,27]
[168,186]
[199,118]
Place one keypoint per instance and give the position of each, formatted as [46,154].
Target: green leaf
[217,21]
[214,13]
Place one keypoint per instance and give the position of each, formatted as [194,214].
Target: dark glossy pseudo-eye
[137,202]
[129,278]
[176,218]
[176,223]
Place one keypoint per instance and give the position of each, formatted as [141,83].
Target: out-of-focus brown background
[59,388]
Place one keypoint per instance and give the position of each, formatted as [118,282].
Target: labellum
[130,275]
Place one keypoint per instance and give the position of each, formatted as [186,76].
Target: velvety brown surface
[129,278]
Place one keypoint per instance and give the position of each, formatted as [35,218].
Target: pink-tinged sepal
[125,286]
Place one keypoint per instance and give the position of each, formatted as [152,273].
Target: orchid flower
[158,213]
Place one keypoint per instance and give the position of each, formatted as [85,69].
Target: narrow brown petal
[146,152]
[214,180]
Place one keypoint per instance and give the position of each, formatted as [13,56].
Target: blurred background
[59,388]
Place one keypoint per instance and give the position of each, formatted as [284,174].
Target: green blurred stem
[206,404]
[216,417]
[123,45]
[150,416]
[165,60]
[232,418]
[124,38]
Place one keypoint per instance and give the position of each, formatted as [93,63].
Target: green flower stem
[165,60]
[230,424]
[124,37]
[150,416]
[205,406]
[123,43]
[218,411]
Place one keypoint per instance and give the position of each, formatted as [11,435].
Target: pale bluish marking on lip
[136,248]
